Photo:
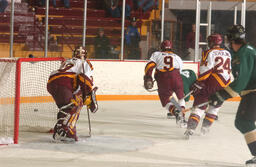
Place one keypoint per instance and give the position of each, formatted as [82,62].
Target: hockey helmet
[80,52]
[236,32]
[166,45]
[214,39]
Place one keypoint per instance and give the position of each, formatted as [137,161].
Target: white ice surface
[133,134]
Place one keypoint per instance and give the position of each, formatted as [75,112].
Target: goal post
[25,104]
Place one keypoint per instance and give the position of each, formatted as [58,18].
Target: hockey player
[71,88]
[167,75]
[188,78]
[214,74]
[244,83]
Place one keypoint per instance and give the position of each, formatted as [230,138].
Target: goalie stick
[87,108]
[89,122]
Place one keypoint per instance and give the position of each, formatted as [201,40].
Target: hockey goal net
[25,104]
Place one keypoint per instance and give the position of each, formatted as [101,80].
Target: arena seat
[70,12]
[78,21]
[79,31]
[5,38]
[78,4]
[5,28]
[78,40]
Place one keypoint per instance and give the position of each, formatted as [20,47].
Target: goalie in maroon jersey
[214,75]
[71,86]
[167,74]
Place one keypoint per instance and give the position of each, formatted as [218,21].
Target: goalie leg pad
[65,128]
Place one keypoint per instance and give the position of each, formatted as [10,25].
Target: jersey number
[168,61]
[65,66]
[222,65]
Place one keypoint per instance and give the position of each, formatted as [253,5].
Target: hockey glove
[91,101]
[148,82]
[197,87]
[219,97]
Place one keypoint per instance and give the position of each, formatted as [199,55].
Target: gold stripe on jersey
[89,64]
[221,81]
[163,70]
[205,76]
[85,80]
[73,76]
[204,56]
[149,66]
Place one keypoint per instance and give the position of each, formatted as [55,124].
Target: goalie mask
[166,45]
[214,39]
[80,53]
[236,33]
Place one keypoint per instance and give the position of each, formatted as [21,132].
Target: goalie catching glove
[148,82]
[91,101]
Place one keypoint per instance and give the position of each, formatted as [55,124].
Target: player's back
[218,63]
[166,61]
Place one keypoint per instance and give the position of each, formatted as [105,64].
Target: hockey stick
[88,113]
[151,90]
[189,93]
[245,92]
[176,104]
[89,122]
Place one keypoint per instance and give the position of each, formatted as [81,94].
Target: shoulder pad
[250,47]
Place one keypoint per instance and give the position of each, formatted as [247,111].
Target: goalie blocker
[91,101]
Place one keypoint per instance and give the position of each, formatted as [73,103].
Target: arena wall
[123,80]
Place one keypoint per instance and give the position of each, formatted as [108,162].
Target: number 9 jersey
[167,74]
[166,61]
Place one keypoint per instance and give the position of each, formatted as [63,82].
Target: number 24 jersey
[216,62]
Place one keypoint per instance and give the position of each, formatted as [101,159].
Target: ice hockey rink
[133,134]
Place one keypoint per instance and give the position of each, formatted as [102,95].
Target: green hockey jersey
[244,69]
[188,78]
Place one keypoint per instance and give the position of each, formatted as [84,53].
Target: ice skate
[61,135]
[170,116]
[188,133]
[180,121]
[62,139]
[251,162]
[205,130]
